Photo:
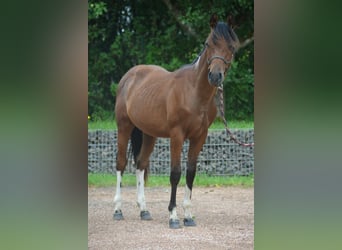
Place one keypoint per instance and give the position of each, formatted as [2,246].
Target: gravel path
[224,217]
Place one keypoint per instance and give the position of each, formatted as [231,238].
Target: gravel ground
[224,217]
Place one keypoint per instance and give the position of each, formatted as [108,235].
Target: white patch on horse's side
[173,214]
[140,189]
[117,198]
[187,202]
[197,62]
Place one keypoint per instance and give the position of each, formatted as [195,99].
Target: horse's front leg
[194,150]
[176,148]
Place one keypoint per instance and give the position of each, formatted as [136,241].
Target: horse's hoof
[145,215]
[189,222]
[174,224]
[118,215]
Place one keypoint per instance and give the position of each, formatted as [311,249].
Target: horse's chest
[204,119]
[198,124]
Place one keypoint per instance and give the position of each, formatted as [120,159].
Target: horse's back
[142,71]
[141,75]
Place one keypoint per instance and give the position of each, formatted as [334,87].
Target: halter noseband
[218,57]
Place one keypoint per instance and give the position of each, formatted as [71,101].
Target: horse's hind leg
[142,167]
[124,132]
[194,150]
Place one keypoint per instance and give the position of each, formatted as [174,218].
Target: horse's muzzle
[215,79]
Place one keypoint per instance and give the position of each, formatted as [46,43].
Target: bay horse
[152,102]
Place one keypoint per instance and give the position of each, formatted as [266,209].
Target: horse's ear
[231,21]
[213,20]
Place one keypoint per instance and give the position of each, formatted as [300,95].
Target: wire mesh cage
[219,155]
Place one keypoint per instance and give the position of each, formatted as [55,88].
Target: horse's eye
[206,44]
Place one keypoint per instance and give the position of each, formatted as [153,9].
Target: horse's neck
[204,91]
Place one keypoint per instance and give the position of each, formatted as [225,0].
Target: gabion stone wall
[219,155]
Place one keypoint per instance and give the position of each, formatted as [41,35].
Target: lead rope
[221,108]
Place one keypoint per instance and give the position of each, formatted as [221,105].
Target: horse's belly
[152,129]
[150,122]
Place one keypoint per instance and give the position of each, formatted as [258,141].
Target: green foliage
[239,88]
[113,88]
[126,33]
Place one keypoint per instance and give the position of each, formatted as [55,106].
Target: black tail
[136,141]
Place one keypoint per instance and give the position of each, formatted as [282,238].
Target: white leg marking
[187,202]
[140,189]
[117,198]
[173,214]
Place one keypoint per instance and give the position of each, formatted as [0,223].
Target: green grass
[103,125]
[105,180]
[218,124]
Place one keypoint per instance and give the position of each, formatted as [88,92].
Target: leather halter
[218,57]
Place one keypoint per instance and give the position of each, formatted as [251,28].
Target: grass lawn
[105,180]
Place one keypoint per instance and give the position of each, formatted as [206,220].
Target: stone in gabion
[219,155]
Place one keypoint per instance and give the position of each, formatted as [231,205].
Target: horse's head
[220,45]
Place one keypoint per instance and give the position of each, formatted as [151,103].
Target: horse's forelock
[222,30]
